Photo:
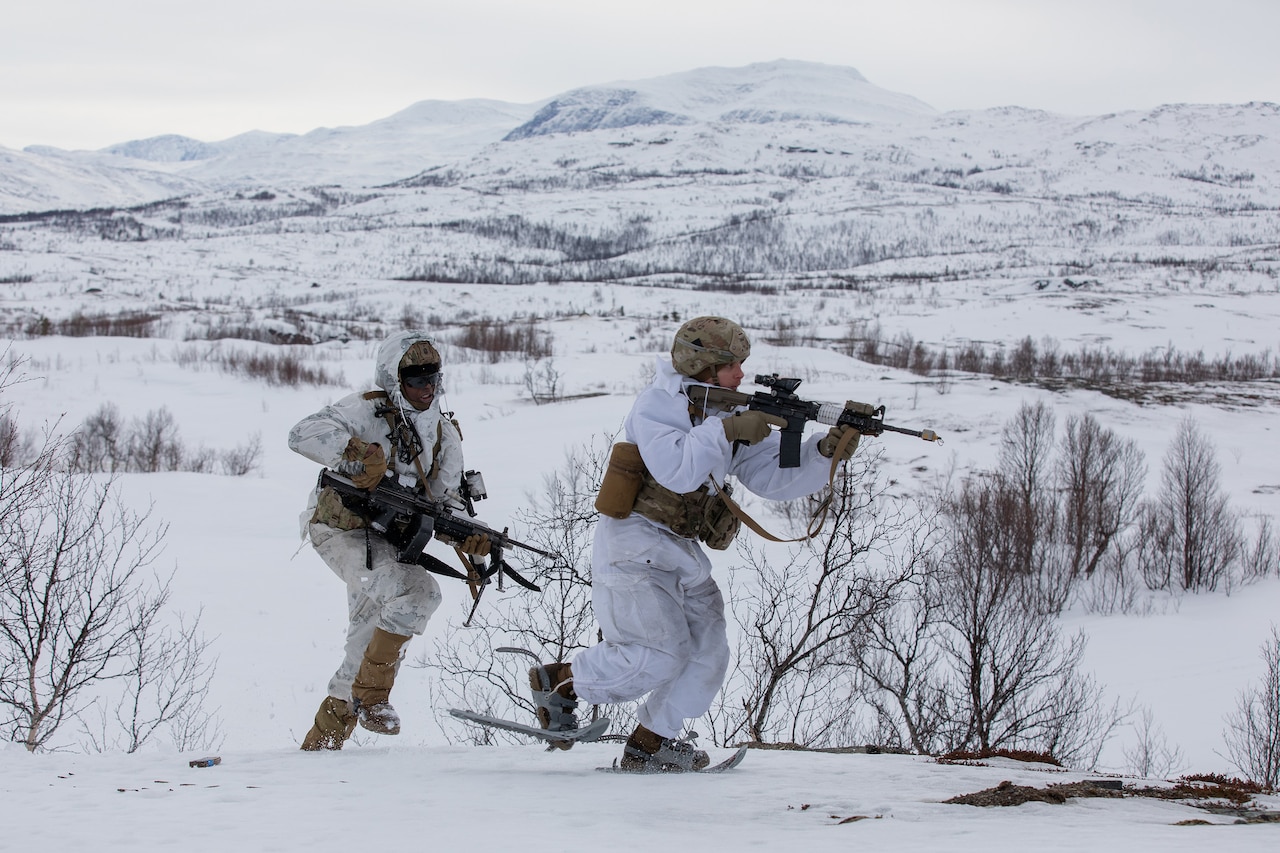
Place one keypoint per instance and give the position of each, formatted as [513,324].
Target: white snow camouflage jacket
[682,456]
[323,436]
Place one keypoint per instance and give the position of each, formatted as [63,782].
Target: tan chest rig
[629,487]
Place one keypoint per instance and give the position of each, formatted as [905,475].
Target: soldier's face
[729,375]
[419,398]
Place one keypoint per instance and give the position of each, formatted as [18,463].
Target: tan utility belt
[628,488]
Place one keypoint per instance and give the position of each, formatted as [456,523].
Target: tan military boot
[553,694]
[334,723]
[372,687]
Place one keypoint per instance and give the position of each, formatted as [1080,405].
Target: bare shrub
[1045,364]
[154,443]
[101,443]
[287,367]
[496,340]
[1253,728]
[79,325]
[902,675]
[243,459]
[1151,756]
[1261,558]
[1115,587]
[74,605]
[552,624]
[151,443]
[1016,683]
[16,445]
[282,368]
[1193,511]
[791,676]
[163,688]
[542,381]
[1100,478]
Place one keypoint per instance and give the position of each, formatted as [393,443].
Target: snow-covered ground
[522,798]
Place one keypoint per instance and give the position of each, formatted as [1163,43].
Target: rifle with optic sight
[781,400]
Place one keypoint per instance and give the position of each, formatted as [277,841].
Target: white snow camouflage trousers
[662,617]
[396,597]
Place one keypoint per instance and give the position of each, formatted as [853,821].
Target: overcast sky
[90,73]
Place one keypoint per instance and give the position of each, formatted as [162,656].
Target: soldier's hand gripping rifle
[409,521]
[781,400]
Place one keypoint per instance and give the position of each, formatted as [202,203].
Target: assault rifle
[783,402]
[409,521]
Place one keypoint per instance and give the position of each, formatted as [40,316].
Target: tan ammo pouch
[332,511]
[622,481]
[694,515]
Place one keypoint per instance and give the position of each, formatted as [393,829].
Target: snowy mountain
[815,117]
[419,137]
[435,133]
[757,94]
[169,148]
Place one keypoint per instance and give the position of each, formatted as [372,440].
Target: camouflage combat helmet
[708,342]
[420,353]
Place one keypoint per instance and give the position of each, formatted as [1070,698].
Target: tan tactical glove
[370,455]
[751,427]
[827,447]
[830,441]
[477,545]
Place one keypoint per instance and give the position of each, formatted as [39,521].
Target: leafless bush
[1100,477]
[1104,369]
[164,687]
[1253,728]
[154,443]
[791,677]
[542,381]
[151,443]
[1151,756]
[16,445]
[1193,515]
[496,340]
[101,443]
[127,324]
[74,603]
[903,677]
[1261,558]
[244,459]
[1115,587]
[552,624]
[287,369]
[1017,684]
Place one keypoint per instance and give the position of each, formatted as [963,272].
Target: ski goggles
[421,376]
